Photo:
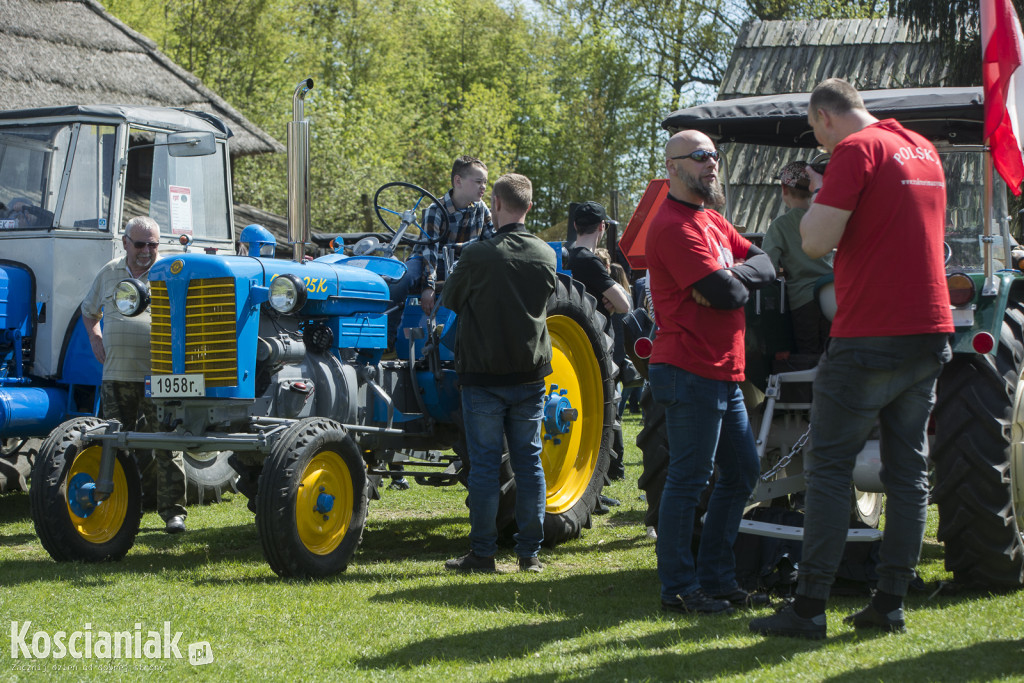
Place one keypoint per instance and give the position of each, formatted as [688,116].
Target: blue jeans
[492,416]
[861,382]
[707,425]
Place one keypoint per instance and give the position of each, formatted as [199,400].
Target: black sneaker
[400,484]
[742,599]
[786,622]
[869,617]
[471,563]
[530,564]
[697,602]
[610,502]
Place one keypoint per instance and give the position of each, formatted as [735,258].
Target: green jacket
[782,243]
[500,289]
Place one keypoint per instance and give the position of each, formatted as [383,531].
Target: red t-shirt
[889,264]
[685,245]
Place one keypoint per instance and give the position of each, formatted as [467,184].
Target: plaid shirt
[470,223]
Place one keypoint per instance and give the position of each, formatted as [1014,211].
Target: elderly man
[123,348]
[882,206]
[701,272]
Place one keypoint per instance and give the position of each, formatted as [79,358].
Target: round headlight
[131,297]
[287,293]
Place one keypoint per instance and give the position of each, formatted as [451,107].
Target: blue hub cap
[80,494]
[558,413]
[324,503]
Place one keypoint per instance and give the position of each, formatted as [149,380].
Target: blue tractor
[286,364]
[70,178]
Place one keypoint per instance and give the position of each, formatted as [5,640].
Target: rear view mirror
[191,144]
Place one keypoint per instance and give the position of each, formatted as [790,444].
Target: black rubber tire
[571,300]
[653,444]
[205,479]
[975,416]
[48,499]
[278,513]
[16,458]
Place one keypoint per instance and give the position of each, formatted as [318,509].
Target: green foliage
[769,10]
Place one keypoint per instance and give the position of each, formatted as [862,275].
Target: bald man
[701,273]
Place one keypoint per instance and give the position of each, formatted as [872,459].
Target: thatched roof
[775,57]
[58,52]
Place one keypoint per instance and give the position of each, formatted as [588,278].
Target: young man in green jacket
[500,289]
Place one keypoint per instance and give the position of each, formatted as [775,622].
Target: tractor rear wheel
[979,461]
[311,504]
[583,373]
[73,531]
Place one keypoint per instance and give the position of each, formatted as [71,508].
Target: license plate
[175,386]
[963,317]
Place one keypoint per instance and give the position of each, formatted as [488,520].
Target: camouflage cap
[794,175]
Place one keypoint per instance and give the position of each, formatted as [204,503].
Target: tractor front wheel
[70,526]
[311,501]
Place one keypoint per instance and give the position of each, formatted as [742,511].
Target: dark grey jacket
[500,289]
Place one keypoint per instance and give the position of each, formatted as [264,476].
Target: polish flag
[1002,69]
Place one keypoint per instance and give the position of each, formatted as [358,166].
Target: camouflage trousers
[126,402]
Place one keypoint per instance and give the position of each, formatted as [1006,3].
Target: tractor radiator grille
[160,328]
[210,345]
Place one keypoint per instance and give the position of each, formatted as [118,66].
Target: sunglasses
[700,156]
[143,245]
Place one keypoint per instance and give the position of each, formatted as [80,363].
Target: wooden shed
[774,57]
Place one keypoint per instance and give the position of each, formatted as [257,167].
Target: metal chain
[797,447]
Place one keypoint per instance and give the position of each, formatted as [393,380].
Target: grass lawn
[396,614]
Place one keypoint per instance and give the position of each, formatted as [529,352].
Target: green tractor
[977,429]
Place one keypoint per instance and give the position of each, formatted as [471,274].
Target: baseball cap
[589,213]
[794,175]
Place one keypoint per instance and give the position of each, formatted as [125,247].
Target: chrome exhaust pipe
[298,172]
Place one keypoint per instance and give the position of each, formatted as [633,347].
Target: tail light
[961,289]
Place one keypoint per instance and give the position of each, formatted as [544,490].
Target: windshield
[753,199]
[185,195]
[964,209]
[33,159]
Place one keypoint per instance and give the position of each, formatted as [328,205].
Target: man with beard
[701,272]
[123,347]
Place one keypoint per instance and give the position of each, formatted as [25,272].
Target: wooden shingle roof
[773,57]
[58,52]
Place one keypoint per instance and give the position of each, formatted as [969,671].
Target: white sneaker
[652,533]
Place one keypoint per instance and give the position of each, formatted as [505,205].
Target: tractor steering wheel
[406,194]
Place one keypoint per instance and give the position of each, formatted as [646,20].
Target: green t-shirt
[783,244]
